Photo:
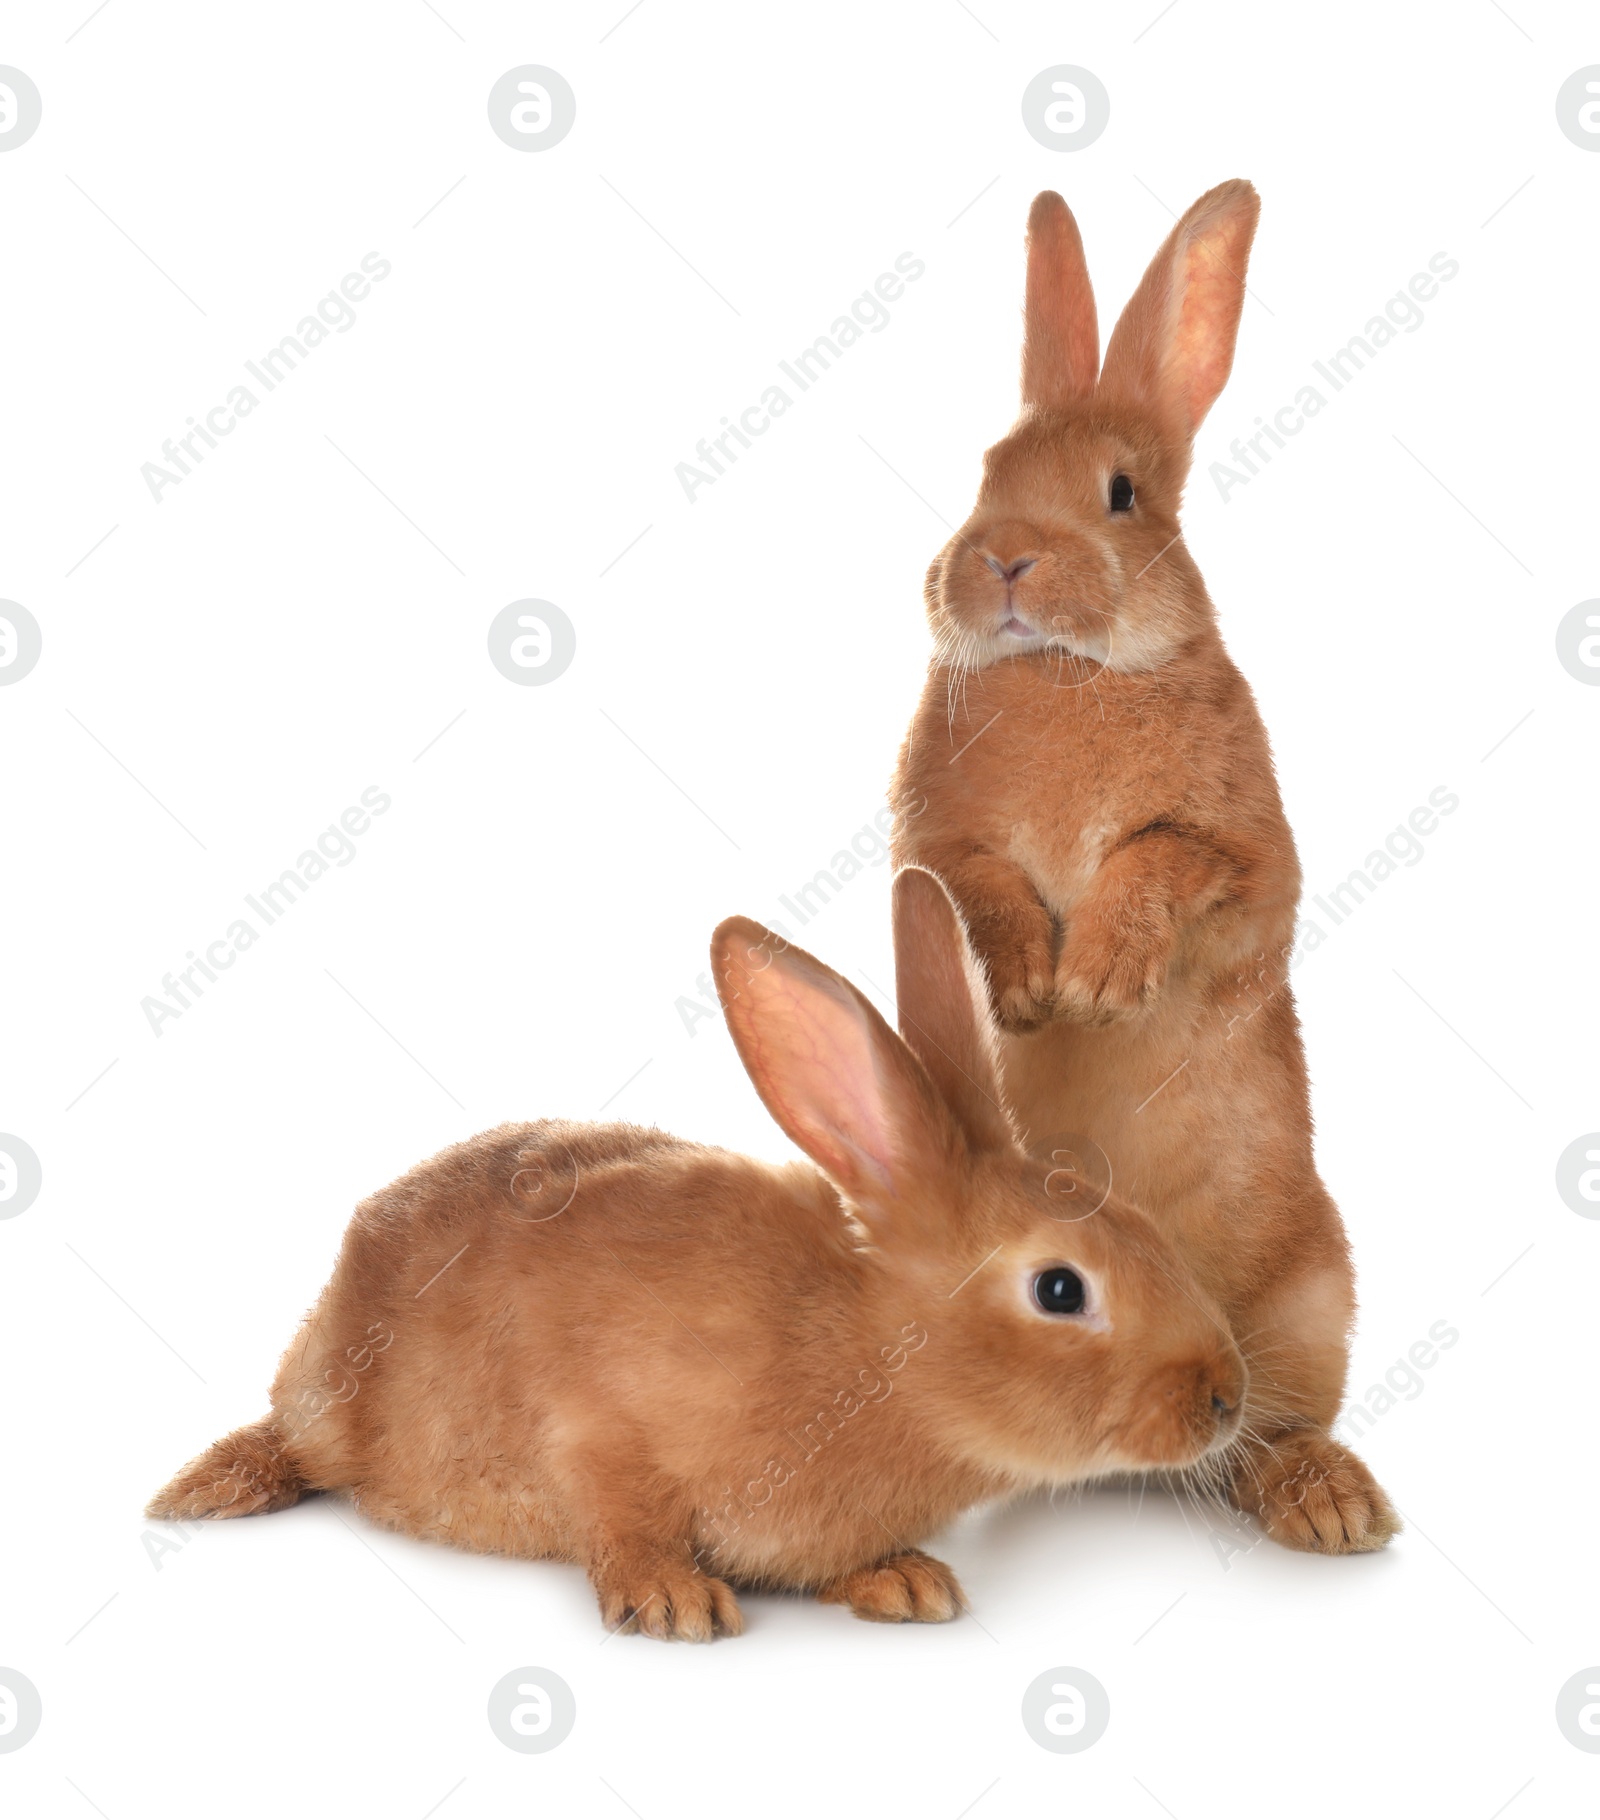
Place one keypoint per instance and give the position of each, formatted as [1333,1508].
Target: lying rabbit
[688,1370]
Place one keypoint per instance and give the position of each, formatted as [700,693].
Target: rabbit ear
[1172,348]
[1061,341]
[829,1069]
[944,1008]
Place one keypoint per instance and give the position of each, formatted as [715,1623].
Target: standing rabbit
[1089,775]
[690,1371]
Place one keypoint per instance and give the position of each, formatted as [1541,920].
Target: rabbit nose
[1226,1415]
[1227,1386]
[1011,571]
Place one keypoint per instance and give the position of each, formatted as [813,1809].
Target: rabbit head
[1074,546]
[1062,1336]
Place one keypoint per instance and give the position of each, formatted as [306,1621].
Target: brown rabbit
[1088,773]
[687,1370]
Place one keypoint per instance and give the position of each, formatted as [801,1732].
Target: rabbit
[1089,775]
[688,1371]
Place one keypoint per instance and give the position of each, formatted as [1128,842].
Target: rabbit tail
[243,1474]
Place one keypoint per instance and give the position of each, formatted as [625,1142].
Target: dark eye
[1121,493]
[1060,1291]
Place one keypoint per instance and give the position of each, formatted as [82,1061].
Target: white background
[276,635]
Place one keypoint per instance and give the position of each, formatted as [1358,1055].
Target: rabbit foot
[665,1598]
[906,1588]
[1022,989]
[1310,1492]
[1012,934]
[1100,980]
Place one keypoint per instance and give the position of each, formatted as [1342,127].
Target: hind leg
[1307,1490]
[243,1475]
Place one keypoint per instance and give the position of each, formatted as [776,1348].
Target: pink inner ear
[1212,296]
[812,1053]
[1172,349]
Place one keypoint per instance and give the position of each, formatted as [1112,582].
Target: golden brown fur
[1088,773]
[688,1370]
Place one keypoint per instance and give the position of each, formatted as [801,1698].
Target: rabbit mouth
[1014,630]
[1015,635]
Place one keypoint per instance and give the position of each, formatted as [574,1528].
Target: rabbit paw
[666,1599]
[910,1588]
[1021,986]
[1014,937]
[1102,976]
[1310,1492]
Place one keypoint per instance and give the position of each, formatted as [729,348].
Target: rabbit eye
[1060,1291]
[1121,493]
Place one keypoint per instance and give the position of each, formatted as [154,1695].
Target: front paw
[1310,1492]
[1018,956]
[1101,978]
[661,1597]
[1022,985]
[910,1588]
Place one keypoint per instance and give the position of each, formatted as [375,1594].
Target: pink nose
[1012,571]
